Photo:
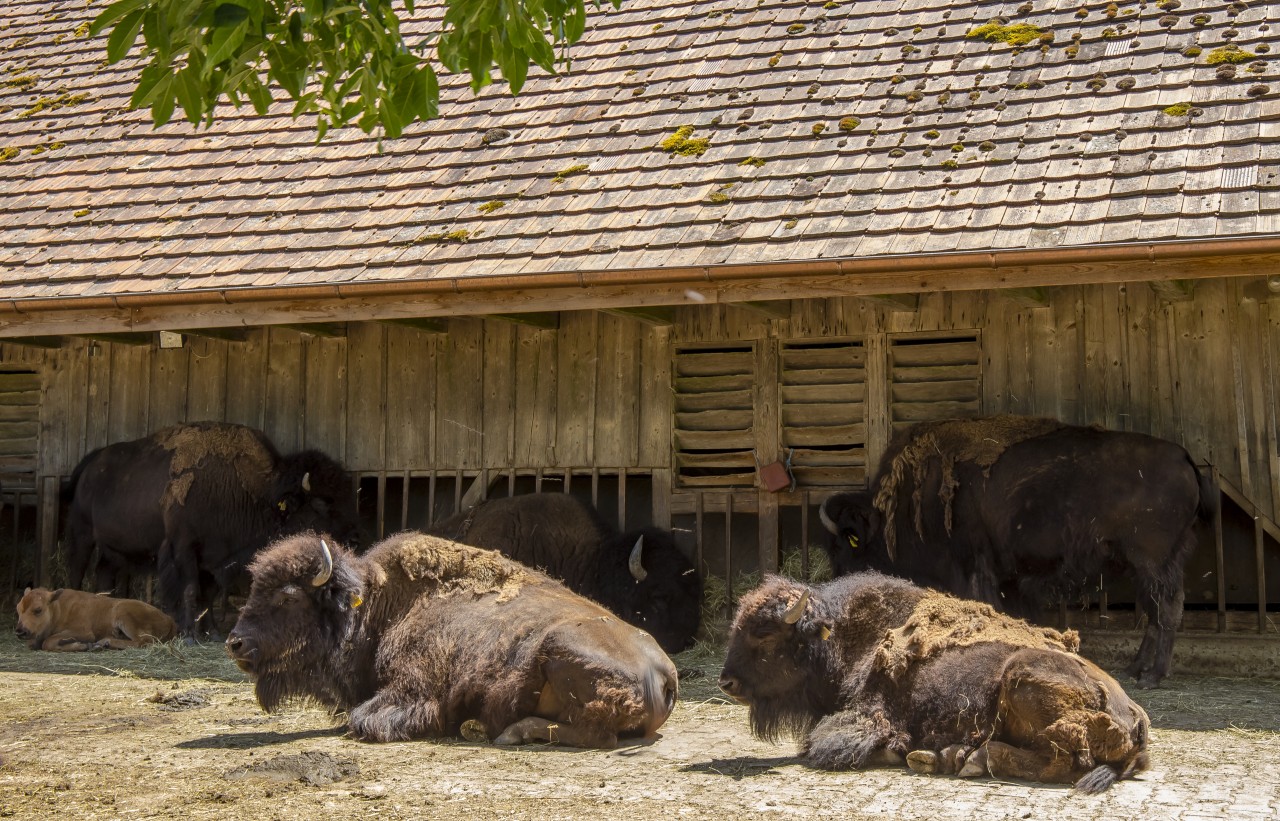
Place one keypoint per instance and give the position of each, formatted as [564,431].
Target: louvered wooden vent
[715,409]
[823,388]
[932,378]
[19,428]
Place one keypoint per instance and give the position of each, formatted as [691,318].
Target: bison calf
[870,669]
[421,635]
[74,620]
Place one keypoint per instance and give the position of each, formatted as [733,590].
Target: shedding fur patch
[456,567]
[939,622]
[978,441]
[191,445]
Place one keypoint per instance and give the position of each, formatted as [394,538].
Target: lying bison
[640,575]
[869,669]
[1020,512]
[70,620]
[423,638]
[197,499]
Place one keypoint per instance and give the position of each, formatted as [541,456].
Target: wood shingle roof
[837,130]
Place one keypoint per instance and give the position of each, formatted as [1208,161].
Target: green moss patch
[1017,34]
[63,100]
[753,162]
[8,153]
[572,171]
[490,206]
[1179,109]
[849,123]
[1229,54]
[682,143]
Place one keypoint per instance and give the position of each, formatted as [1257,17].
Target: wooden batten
[1173,290]
[329,330]
[774,309]
[1026,297]
[657,316]
[894,302]
[224,334]
[427,325]
[542,320]
[135,339]
[48,342]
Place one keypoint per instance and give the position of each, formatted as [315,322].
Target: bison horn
[326,566]
[306,482]
[796,610]
[826,520]
[637,569]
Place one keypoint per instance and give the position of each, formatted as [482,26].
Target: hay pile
[940,622]
[977,441]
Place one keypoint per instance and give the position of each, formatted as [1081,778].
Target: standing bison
[641,575]
[423,638]
[1019,512]
[869,669]
[197,499]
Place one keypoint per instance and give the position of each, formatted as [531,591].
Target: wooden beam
[657,315]
[1026,297]
[123,338]
[820,279]
[426,324]
[331,330]
[546,320]
[227,334]
[894,302]
[774,309]
[35,341]
[1173,290]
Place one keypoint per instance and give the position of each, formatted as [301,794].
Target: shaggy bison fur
[424,638]
[868,669]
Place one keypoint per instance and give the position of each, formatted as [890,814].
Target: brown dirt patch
[81,737]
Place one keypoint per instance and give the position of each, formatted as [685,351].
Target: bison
[425,638]
[870,669]
[640,575]
[197,499]
[70,620]
[1019,511]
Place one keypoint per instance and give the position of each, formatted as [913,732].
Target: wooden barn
[734,234]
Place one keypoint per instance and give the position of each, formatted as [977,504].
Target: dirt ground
[175,732]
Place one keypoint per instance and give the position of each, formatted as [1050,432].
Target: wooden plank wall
[596,392]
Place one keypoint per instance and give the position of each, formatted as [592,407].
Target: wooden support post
[431,499]
[458,477]
[49,490]
[697,531]
[767,525]
[1262,573]
[660,488]
[568,479]
[1218,552]
[537,481]
[404,500]
[728,549]
[622,499]
[595,487]
[804,533]
[511,482]
[382,504]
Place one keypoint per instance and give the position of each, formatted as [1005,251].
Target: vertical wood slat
[660,494]
[1260,564]
[431,498]
[410,407]
[49,490]
[804,533]
[499,418]
[697,532]
[728,549]
[1219,553]
[767,527]
[622,499]
[206,379]
[382,504]
[404,501]
[879,423]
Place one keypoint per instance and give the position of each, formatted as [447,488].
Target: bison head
[778,658]
[855,527]
[301,611]
[654,586]
[35,619]
[313,492]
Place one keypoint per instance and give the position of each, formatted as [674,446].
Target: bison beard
[421,635]
[873,670]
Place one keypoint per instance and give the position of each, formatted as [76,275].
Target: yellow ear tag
[356,601]
[282,505]
[826,632]
[853,542]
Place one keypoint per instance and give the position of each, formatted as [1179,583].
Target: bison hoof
[976,765]
[924,762]
[473,731]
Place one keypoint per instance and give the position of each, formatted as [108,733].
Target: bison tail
[1209,496]
[1097,780]
[660,698]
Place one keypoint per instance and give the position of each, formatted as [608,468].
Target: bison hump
[940,622]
